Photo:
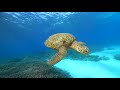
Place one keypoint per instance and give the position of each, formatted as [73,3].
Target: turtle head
[80,47]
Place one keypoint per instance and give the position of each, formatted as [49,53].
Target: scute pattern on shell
[59,39]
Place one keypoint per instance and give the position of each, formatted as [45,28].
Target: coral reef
[76,56]
[117,56]
[39,56]
[31,67]
[95,58]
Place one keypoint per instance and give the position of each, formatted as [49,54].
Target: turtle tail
[58,56]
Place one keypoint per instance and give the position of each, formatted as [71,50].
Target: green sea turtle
[62,42]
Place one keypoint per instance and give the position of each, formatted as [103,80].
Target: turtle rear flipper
[58,56]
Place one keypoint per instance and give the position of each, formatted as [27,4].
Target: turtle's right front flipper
[58,56]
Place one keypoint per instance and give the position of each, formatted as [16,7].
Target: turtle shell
[59,39]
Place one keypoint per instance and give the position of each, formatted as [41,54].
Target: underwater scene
[59,44]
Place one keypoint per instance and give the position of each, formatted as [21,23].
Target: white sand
[90,69]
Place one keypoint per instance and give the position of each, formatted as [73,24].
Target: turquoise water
[22,37]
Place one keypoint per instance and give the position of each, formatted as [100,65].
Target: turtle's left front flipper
[58,56]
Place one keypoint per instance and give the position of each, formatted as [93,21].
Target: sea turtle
[62,42]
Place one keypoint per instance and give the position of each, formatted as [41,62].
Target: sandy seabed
[91,69]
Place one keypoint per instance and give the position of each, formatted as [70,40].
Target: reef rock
[117,56]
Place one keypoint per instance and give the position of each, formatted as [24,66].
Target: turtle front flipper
[58,56]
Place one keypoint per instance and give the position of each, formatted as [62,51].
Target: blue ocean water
[24,34]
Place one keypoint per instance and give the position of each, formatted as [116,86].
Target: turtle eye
[86,51]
